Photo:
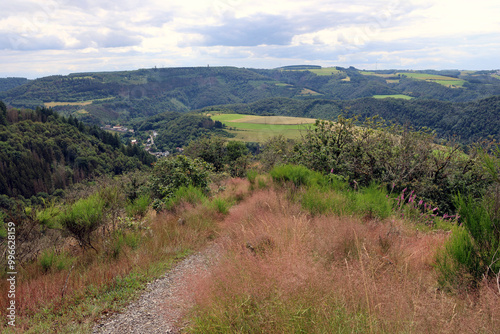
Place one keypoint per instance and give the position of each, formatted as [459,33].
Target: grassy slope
[284,268]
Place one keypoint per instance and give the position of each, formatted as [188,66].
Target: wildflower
[421,201]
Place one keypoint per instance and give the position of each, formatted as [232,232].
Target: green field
[81,103]
[395,96]
[440,79]
[321,71]
[252,128]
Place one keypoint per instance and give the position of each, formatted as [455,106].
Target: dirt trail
[165,301]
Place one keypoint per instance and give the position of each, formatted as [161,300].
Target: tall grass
[285,272]
[67,290]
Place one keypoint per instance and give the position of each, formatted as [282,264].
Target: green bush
[372,201]
[220,205]
[170,174]
[139,206]
[83,217]
[50,260]
[473,250]
[251,176]
[189,194]
[298,175]
[48,216]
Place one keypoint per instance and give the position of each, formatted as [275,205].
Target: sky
[47,37]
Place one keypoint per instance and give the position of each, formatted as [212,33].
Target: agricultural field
[394,96]
[56,104]
[440,79]
[81,103]
[252,128]
[321,71]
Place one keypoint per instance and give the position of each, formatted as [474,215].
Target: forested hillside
[118,97]
[175,129]
[41,151]
[108,95]
[465,120]
[9,83]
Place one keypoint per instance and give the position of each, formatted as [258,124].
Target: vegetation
[360,225]
[461,120]
[43,152]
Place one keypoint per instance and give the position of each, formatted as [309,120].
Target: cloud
[81,35]
[108,39]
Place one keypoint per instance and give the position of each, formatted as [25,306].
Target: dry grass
[284,271]
[102,282]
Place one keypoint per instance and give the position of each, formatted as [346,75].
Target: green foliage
[42,152]
[83,217]
[51,260]
[211,149]
[237,158]
[474,248]
[220,205]
[139,206]
[171,173]
[189,194]
[251,176]
[276,151]
[48,216]
[373,202]
[296,174]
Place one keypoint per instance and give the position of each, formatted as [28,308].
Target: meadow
[440,79]
[395,96]
[322,71]
[251,128]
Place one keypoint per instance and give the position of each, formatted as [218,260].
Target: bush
[372,201]
[139,206]
[298,175]
[83,217]
[170,174]
[472,252]
[220,205]
[50,260]
[189,194]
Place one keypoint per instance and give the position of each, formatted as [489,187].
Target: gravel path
[165,301]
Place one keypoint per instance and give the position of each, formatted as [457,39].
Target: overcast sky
[45,37]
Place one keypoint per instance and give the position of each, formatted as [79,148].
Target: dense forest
[9,83]
[41,152]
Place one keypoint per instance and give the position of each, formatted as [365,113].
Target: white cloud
[84,35]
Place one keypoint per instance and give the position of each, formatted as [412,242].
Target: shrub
[49,260]
[139,206]
[48,216]
[83,217]
[172,173]
[220,205]
[298,175]
[472,252]
[251,176]
[189,194]
[372,201]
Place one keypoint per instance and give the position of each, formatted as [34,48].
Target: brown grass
[277,255]
[163,242]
